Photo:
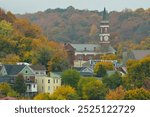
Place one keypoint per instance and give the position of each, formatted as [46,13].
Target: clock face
[106,38]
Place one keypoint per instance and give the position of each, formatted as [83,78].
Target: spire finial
[105,17]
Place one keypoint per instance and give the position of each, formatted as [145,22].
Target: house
[48,84]
[79,53]
[9,72]
[39,70]
[85,71]
[135,55]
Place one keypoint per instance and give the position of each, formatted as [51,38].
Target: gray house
[9,72]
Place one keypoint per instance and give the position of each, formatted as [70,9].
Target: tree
[91,89]
[138,71]
[117,94]
[81,84]
[108,57]
[13,93]
[14,59]
[93,30]
[42,96]
[64,92]
[112,81]
[58,62]
[19,85]
[5,28]
[100,70]
[70,77]
[137,94]
[5,88]
[95,90]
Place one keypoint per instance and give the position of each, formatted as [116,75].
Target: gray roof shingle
[38,67]
[13,69]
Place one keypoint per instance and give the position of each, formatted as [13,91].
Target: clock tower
[104,35]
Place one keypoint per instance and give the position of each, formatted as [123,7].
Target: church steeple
[104,32]
[104,28]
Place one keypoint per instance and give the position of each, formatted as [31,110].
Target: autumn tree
[93,30]
[138,71]
[6,90]
[58,62]
[137,94]
[11,59]
[117,94]
[101,67]
[100,70]
[70,77]
[108,57]
[42,96]
[64,92]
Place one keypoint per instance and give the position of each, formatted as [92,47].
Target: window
[54,80]
[42,80]
[42,73]
[36,72]
[26,71]
[57,81]
[34,85]
[48,87]
[29,86]
[85,49]
[42,88]
[49,81]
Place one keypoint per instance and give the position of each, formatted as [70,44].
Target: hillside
[81,26]
[23,41]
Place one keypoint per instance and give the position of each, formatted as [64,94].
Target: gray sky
[30,6]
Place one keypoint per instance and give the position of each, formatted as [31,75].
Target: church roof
[91,48]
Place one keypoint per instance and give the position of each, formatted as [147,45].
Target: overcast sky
[30,6]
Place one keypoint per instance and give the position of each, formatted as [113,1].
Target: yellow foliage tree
[107,66]
[64,92]
[41,96]
[108,57]
[11,59]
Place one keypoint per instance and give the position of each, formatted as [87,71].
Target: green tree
[112,81]
[91,89]
[100,70]
[19,85]
[137,94]
[81,84]
[70,77]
